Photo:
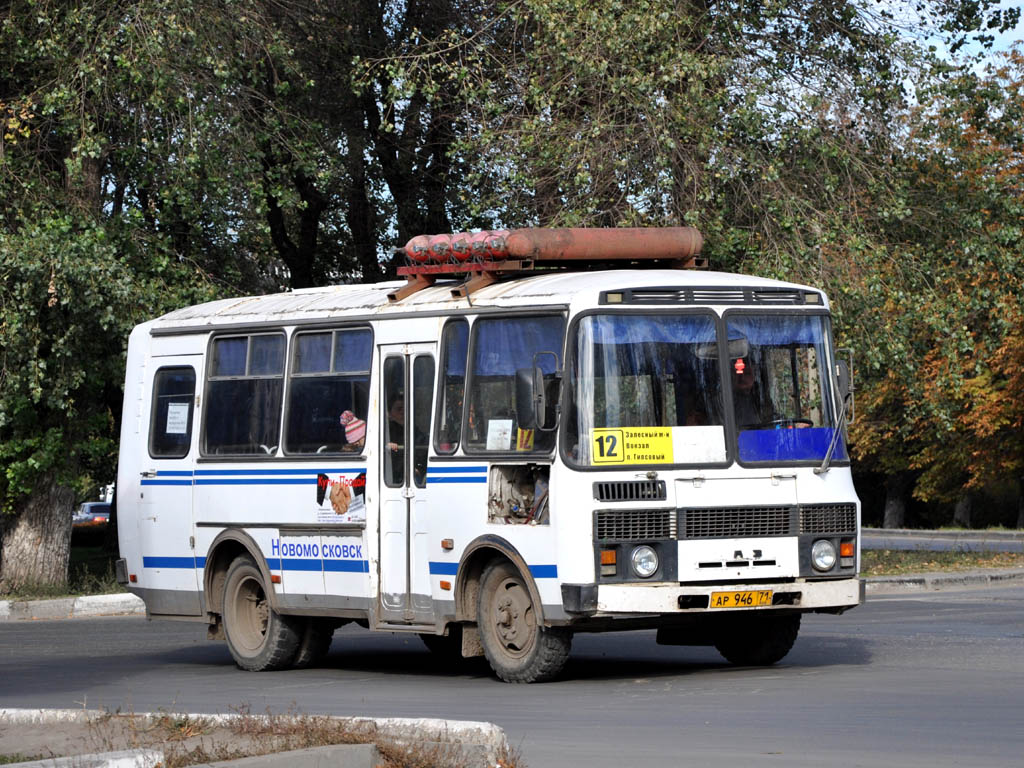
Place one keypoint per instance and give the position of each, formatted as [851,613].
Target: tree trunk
[962,511]
[895,504]
[1020,504]
[37,539]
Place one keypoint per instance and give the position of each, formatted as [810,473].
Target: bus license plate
[749,599]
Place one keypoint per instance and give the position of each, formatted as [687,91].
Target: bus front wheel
[758,640]
[258,637]
[518,648]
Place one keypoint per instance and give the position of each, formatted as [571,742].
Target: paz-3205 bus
[495,458]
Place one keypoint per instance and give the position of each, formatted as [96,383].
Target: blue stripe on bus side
[257,481]
[343,470]
[463,480]
[443,569]
[169,562]
[453,470]
[347,566]
[438,568]
[274,563]
[167,482]
[294,564]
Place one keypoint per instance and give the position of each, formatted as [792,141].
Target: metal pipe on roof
[576,244]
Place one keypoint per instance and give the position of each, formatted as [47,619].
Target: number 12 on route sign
[609,446]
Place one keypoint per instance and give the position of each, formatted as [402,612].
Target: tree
[948,403]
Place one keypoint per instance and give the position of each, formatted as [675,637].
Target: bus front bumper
[653,599]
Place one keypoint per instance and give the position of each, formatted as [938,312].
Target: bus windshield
[647,389]
[780,387]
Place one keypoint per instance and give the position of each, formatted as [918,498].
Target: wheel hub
[513,617]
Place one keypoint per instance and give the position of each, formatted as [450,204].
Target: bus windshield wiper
[835,439]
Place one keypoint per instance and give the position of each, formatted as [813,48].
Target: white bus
[494,464]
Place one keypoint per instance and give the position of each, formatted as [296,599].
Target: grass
[90,572]
[889,562]
[16,758]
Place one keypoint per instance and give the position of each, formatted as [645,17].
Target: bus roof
[549,289]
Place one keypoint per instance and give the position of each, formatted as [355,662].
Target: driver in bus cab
[753,406]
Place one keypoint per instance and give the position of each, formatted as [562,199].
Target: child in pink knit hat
[355,429]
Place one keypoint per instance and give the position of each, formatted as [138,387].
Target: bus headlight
[823,555]
[645,561]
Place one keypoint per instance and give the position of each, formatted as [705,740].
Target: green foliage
[155,153]
[944,390]
[71,291]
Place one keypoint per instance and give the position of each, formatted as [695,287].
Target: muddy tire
[517,647]
[758,641]
[315,642]
[258,637]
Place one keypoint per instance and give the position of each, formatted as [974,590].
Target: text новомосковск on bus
[495,452]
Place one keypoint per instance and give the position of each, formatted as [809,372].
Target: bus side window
[242,408]
[170,427]
[328,392]
[501,346]
[451,387]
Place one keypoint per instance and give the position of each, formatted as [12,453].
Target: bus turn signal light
[608,562]
[846,549]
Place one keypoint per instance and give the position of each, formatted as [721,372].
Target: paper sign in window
[177,419]
[499,434]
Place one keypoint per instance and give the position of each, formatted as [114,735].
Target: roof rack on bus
[481,257]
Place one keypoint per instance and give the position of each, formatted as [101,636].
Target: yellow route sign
[632,445]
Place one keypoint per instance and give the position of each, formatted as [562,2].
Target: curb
[476,740]
[940,580]
[948,535]
[72,607]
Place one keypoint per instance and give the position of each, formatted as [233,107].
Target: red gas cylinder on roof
[461,246]
[478,244]
[416,248]
[495,244]
[440,247]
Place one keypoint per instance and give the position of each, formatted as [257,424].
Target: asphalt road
[910,679]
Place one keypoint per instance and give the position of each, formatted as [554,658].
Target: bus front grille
[635,524]
[724,523]
[741,522]
[630,490]
[828,518]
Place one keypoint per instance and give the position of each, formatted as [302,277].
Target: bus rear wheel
[518,648]
[258,637]
[757,641]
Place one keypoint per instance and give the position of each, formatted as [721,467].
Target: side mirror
[844,382]
[531,403]
[843,376]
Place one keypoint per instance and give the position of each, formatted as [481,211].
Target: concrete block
[42,609]
[337,756]
[135,758]
[108,605]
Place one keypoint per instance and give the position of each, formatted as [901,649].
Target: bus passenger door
[407,384]
[169,568]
